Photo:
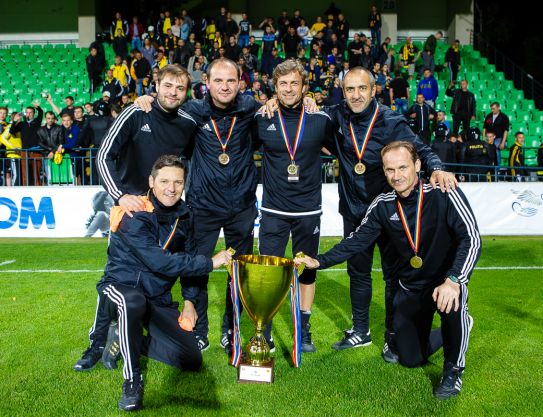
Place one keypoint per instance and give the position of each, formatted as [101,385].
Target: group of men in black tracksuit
[215,133]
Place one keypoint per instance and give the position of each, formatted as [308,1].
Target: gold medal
[360,168]
[224,159]
[292,169]
[416,262]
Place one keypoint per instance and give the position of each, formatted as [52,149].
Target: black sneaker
[203,343]
[226,342]
[132,397]
[112,352]
[307,343]
[352,339]
[450,384]
[89,359]
[271,344]
[388,355]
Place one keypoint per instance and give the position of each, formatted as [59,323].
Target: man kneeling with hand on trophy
[436,243]
[147,253]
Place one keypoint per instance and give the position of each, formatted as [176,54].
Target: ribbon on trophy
[296,319]
[236,336]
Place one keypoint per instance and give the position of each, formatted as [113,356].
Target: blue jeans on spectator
[139,87]
[136,43]
[243,40]
[401,105]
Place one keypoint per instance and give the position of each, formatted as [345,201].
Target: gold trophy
[264,283]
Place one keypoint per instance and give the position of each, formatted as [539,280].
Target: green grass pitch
[45,316]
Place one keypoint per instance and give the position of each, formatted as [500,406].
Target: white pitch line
[93,271]
[7,262]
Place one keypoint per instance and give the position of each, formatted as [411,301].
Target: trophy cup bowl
[264,283]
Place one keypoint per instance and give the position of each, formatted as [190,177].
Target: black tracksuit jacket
[449,244]
[280,196]
[356,192]
[135,141]
[224,189]
[135,256]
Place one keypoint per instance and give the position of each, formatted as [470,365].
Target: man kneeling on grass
[147,253]
[436,244]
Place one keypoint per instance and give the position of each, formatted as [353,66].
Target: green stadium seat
[523,116]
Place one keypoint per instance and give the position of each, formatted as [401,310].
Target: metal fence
[79,168]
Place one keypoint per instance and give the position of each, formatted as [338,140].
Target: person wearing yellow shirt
[121,72]
[167,22]
[118,23]
[13,144]
[317,26]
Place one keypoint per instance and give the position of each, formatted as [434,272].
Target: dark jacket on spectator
[51,138]
[456,95]
[29,130]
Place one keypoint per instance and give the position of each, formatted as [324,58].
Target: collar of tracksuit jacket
[163,114]
[166,215]
[361,117]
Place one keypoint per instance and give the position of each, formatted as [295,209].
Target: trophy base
[250,374]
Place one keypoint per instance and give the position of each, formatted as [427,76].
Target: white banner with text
[500,209]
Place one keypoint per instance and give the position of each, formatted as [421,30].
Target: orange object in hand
[185,323]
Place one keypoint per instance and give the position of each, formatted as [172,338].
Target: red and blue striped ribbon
[296,319]
[413,242]
[299,133]
[236,334]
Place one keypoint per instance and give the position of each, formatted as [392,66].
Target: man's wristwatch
[453,279]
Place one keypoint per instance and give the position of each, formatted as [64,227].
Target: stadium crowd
[323,46]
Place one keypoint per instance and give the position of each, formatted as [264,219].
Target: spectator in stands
[429,51]
[184,32]
[72,141]
[498,122]
[176,27]
[69,101]
[423,114]
[441,124]
[477,152]
[290,43]
[443,147]
[245,30]
[89,109]
[375,23]
[125,101]
[428,87]
[232,49]
[160,59]
[399,92]
[148,51]
[220,21]
[366,59]
[342,27]
[113,86]
[51,135]
[452,60]
[121,72]
[382,52]
[389,60]
[79,117]
[328,77]
[516,157]
[283,22]
[211,29]
[463,106]
[199,90]
[188,20]
[231,27]
[356,46]
[160,25]
[27,126]
[303,33]
[409,53]
[381,95]
[154,37]
[11,165]
[102,107]
[170,44]
[181,54]
[140,70]
[118,23]
[269,43]
[119,44]
[318,26]
[135,30]
[95,67]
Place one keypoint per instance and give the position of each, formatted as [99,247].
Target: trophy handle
[232,252]
[302,265]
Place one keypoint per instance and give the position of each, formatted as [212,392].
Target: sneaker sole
[390,360]
[75,368]
[445,396]
[338,348]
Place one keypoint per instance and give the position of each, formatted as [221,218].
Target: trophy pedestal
[251,374]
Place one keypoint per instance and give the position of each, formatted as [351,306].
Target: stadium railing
[80,169]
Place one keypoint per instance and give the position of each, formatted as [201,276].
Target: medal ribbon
[360,152]
[171,235]
[414,244]
[299,133]
[236,335]
[296,320]
[218,134]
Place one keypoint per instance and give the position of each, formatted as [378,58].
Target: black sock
[305,315]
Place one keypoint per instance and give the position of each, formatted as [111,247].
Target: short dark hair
[494,103]
[51,113]
[69,97]
[168,161]
[4,108]
[116,108]
[175,70]
[401,144]
[519,133]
